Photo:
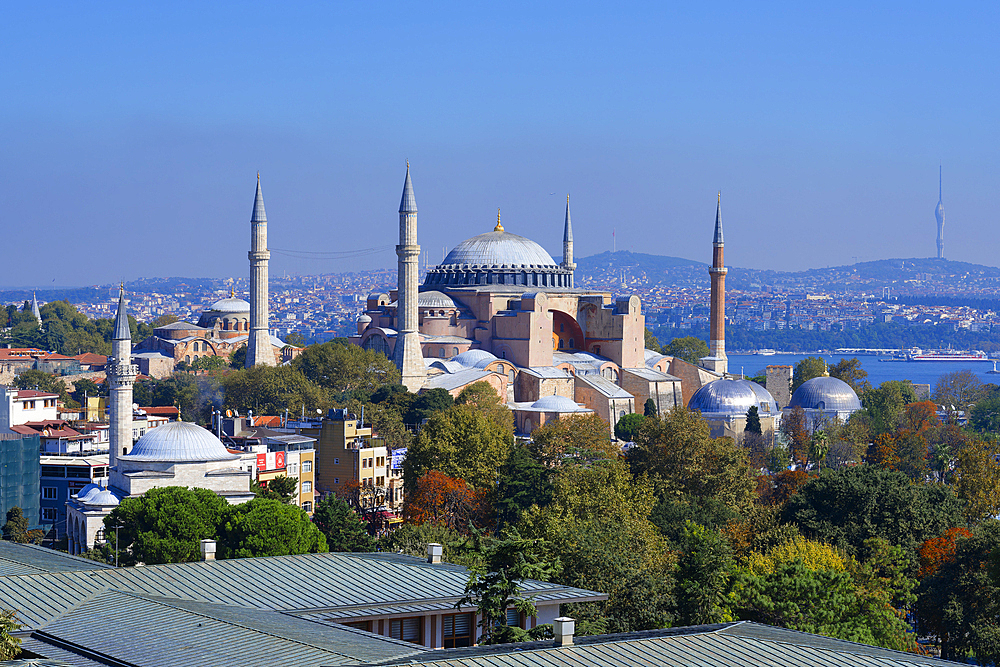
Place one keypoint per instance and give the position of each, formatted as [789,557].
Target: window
[513,618]
[48,514]
[336,461]
[336,480]
[307,466]
[571,344]
[380,481]
[307,506]
[454,350]
[360,625]
[307,487]
[293,468]
[49,492]
[441,352]
[407,629]
[456,630]
[29,405]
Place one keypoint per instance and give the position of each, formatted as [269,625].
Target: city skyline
[816,124]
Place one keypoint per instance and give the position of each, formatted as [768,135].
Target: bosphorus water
[918,372]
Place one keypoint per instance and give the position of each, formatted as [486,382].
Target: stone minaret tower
[567,262]
[717,360]
[121,374]
[939,214]
[406,354]
[34,309]
[260,352]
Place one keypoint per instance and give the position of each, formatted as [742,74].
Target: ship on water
[917,354]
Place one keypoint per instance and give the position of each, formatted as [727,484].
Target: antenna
[939,183]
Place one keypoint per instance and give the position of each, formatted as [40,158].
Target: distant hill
[625,258]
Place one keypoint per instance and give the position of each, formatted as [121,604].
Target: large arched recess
[567,335]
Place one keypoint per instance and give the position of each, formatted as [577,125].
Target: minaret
[260,352]
[717,360]
[121,374]
[406,354]
[567,262]
[939,214]
[34,308]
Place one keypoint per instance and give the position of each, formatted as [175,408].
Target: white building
[19,406]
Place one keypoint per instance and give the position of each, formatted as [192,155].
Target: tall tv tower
[939,214]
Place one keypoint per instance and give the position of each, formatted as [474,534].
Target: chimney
[208,551]
[563,630]
[434,553]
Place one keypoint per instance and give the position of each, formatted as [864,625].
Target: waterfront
[918,372]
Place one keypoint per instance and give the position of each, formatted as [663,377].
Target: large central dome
[499,248]
[499,258]
[178,442]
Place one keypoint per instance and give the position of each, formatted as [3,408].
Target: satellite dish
[229,413]
[318,411]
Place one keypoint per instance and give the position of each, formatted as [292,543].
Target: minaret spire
[939,216]
[407,354]
[121,375]
[568,262]
[717,360]
[34,308]
[259,348]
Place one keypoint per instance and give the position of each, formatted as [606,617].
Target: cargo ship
[945,355]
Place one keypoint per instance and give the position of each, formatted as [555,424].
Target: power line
[327,255]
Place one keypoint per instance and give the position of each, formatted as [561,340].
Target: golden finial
[407,165]
[720,196]
[567,199]
[499,227]
[232,293]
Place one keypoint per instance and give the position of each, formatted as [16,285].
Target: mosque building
[174,454]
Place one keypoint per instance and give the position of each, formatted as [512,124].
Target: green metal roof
[17,559]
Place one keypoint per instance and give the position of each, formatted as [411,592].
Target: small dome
[557,404]
[231,304]
[732,398]
[497,248]
[103,498]
[825,393]
[86,492]
[475,358]
[434,299]
[364,319]
[178,442]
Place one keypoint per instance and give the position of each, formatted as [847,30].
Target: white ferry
[945,355]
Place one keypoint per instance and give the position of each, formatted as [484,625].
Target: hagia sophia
[500,309]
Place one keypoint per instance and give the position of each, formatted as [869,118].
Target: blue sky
[130,135]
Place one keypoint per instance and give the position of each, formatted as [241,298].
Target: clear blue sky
[130,133]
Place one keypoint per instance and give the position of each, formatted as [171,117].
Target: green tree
[628,426]
[266,527]
[819,447]
[271,390]
[884,406]
[705,570]
[164,525]
[345,369]
[649,409]
[209,363]
[238,359]
[807,369]
[851,372]
[295,339]
[651,341]
[689,348]
[413,540]
[464,442]
[958,390]
[85,387]
[430,402]
[979,479]
[341,526]
[16,529]
[848,506]
[495,584]
[42,381]
[524,482]
[985,416]
[578,439]
[10,646]
[282,488]
[681,458]
[753,421]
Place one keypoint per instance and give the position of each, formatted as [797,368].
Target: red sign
[271,461]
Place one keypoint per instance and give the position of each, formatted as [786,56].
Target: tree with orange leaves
[920,417]
[882,453]
[446,501]
[783,486]
[794,428]
[940,550]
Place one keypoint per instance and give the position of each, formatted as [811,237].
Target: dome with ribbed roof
[88,491]
[475,358]
[825,393]
[232,304]
[179,442]
[557,404]
[732,398]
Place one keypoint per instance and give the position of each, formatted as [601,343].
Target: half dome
[557,404]
[179,442]
[732,398]
[825,393]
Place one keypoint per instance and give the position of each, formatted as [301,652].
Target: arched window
[441,352]
[187,358]
[500,369]
[561,343]
[571,345]
[597,349]
[454,350]
[562,327]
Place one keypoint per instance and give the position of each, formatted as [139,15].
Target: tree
[430,402]
[985,416]
[753,421]
[16,528]
[295,339]
[936,552]
[85,387]
[851,372]
[783,485]
[341,526]
[447,501]
[464,442]
[649,409]
[957,391]
[209,363]
[281,488]
[42,381]
[164,525]
[681,458]
[819,447]
[495,584]
[650,341]
[524,482]
[807,369]
[272,390]
[793,426]
[628,426]
[238,358]
[266,527]
[689,349]
[705,569]
[574,440]
[847,506]
[884,407]
[979,479]
[10,646]
[345,369]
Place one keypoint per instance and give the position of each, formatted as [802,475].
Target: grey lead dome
[825,393]
[178,442]
[498,249]
[732,398]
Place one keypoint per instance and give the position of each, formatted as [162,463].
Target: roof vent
[563,628]
[434,553]
[208,551]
